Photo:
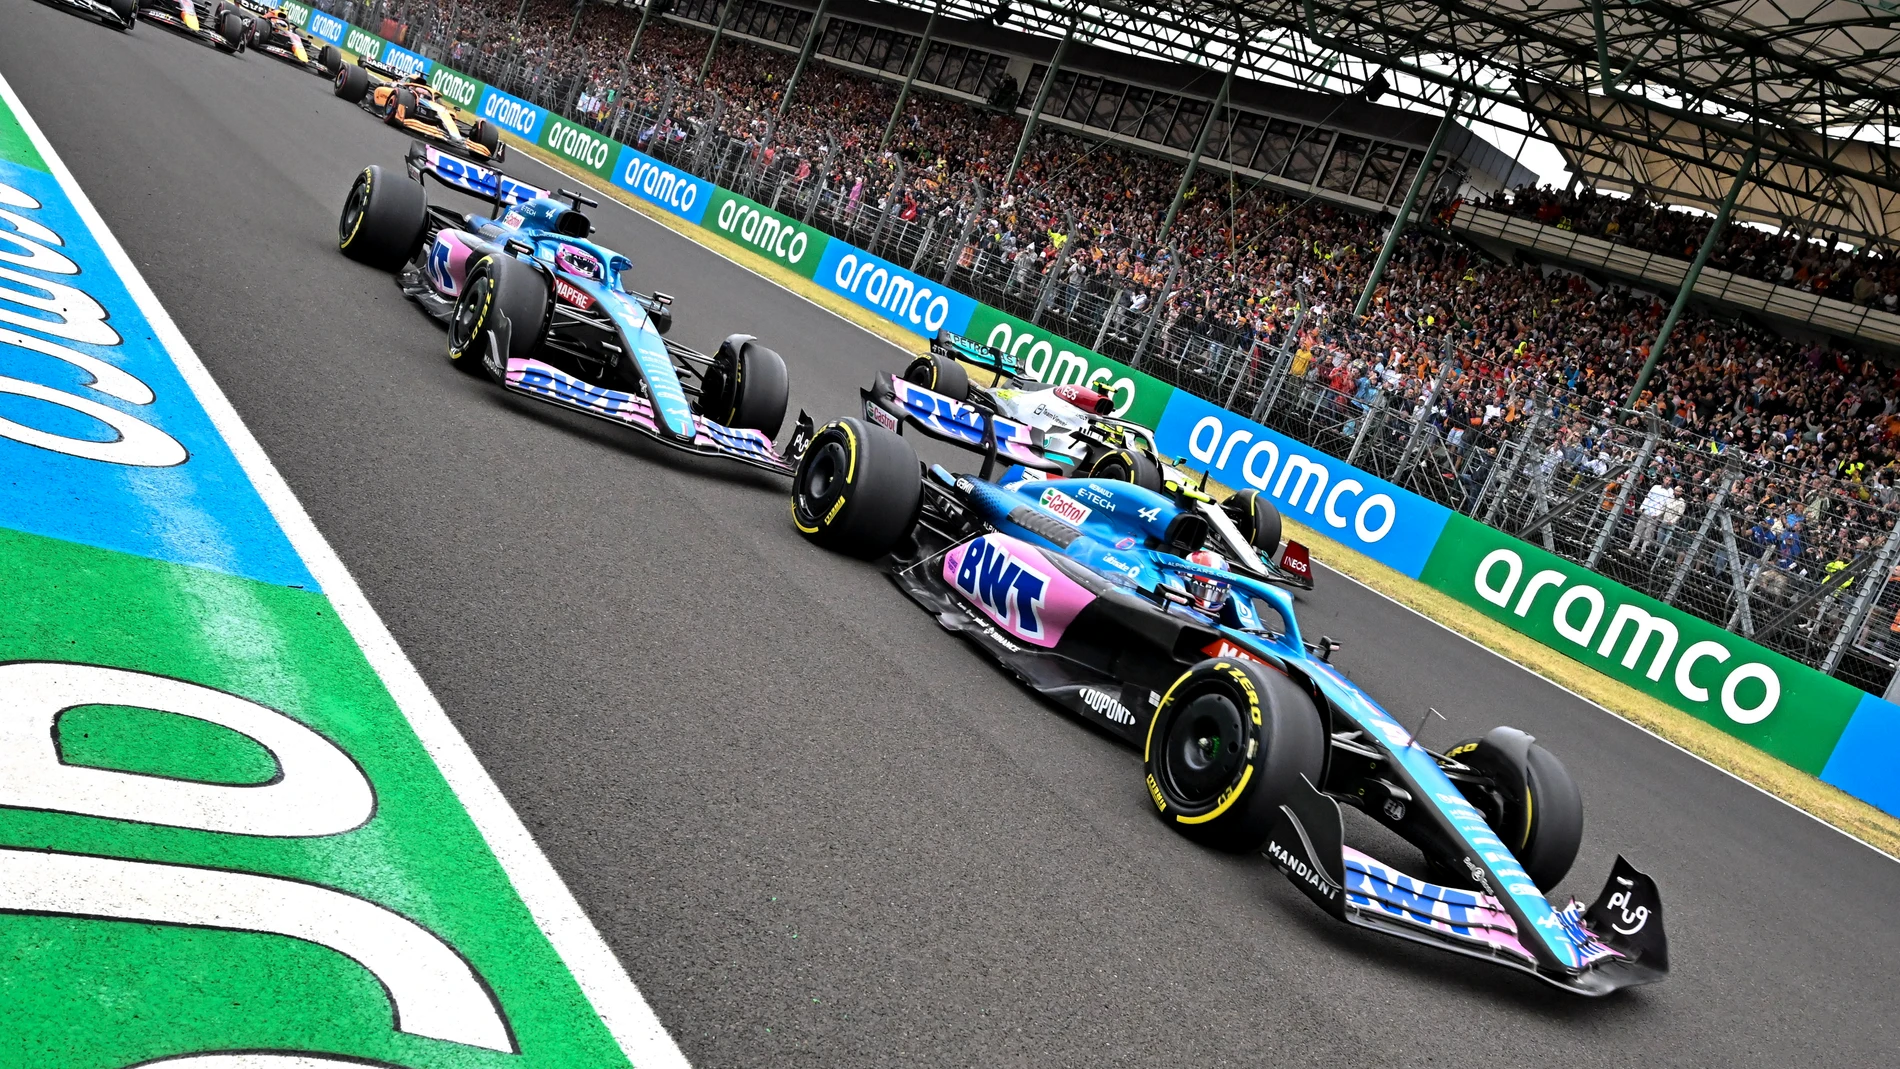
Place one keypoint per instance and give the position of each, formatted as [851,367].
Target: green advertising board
[296,14]
[1050,358]
[1769,701]
[363,43]
[580,146]
[455,87]
[779,238]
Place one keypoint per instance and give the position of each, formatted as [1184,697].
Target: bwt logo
[660,184]
[893,293]
[577,144]
[328,27]
[1308,478]
[511,115]
[761,231]
[1004,586]
[461,91]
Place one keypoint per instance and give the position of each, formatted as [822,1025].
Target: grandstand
[1646,372]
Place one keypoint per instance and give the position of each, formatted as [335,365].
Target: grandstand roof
[1662,97]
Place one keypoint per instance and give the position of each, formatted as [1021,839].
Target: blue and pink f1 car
[534,305]
[1116,601]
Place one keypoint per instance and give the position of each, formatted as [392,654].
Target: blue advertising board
[1392,526]
[657,183]
[326,27]
[911,301]
[394,55]
[512,114]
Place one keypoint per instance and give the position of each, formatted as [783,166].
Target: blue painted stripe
[120,454]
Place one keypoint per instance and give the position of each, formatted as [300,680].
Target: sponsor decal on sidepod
[1065,507]
[1014,586]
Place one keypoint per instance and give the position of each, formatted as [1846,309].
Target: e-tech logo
[582,146]
[327,27]
[767,232]
[893,291]
[1003,586]
[1576,615]
[455,88]
[658,183]
[363,43]
[518,117]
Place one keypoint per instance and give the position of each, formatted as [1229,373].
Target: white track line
[606,984]
[614,195]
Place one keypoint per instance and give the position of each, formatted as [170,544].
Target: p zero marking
[236,829]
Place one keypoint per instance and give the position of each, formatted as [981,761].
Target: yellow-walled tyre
[1129,466]
[1227,742]
[939,374]
[1533,805]
[383,219]
[1257,520]
[498,285]
[857,489]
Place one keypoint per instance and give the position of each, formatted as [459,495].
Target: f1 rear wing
[488,183]
[894,402]
[988,357]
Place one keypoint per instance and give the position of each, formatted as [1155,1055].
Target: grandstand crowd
[1817,425]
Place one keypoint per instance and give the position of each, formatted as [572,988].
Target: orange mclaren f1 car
[407,102]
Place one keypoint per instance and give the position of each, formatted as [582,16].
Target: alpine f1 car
[214,22]
[118,14]
[272,33]
[407,102]
[1103,596]
[535,306]
[1046,428]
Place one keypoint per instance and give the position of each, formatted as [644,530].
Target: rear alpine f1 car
[1112,601]
[1045,428]
[118,14]
[534,305]
[214,22]
[408,103]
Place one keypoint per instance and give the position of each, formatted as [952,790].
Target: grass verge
[1836,807]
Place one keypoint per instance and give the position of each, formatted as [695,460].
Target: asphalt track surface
[816,829]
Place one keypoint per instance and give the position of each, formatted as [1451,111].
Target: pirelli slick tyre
[330,59]
[483,133]
[234,30]
[941,375]
[1129,466]
[1224,747]
[857,489]
[402,104]
[383,219]
[1534,807]
[126,11]
[498,284]
[352,83]
[1257,519]
[260,32]
[746,387]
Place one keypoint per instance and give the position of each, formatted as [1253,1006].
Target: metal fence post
[1863,604]
[1651,436]
[1154,319]
[1423,414]
[1525,443]
[1730,470]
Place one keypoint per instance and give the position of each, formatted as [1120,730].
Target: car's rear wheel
[1257,519]
[747,387]
[484,134]
[497,285]
[1534,806]
[383,219]
[352,83]
[1129,466]
[1224,747]
[857,489]
[330,59]
[939,374]
[233,28]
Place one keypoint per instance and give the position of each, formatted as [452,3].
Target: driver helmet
[1209,594]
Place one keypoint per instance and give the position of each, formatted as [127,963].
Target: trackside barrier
[1802,716]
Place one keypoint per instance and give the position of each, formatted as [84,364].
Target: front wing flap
[1620,936]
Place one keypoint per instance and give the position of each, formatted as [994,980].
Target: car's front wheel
[857,489]
[126,11]
[1228,741]
[1532,803]
[498,286]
